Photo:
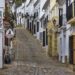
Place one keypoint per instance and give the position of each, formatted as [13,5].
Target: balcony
[71,13]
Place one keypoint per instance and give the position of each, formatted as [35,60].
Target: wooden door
[30,26]
[74,49]
[71,49]
[44,38]
[37,26]
[34,29]
[27,23]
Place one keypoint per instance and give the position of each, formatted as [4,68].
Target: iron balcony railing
[71,11]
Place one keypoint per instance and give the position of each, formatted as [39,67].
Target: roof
[60,2]
[46,4]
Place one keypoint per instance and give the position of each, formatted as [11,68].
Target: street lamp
[54,22]
[55,25]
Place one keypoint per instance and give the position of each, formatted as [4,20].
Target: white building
[33,15]
[65,32]
[19,15]
[40,20]
[2,7]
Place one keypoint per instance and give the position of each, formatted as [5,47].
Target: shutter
[37,26]
[67,9]
[60,16]
[43,38]
[28,24]
[32,26]
[34,29]
[74,7]
[71,49]
[46,38]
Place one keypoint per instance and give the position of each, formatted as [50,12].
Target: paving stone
[31,58]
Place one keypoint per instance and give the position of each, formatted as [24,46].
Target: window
[37,26]
[60,16]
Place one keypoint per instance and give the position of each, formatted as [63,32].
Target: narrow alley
[31,58]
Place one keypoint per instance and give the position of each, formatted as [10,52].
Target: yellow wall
[52,37]
[52,40]
[52,4]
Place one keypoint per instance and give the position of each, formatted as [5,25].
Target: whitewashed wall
[13,8]
[2,3]
[64,41]
[2,7]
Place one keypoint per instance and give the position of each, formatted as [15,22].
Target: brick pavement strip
[31,58]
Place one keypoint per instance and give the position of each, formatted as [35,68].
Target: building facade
[53,28]
[52,23]
[70,13]
[2,10]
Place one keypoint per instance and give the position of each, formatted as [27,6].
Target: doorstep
[72,67]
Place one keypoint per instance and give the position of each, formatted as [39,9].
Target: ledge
[72,21]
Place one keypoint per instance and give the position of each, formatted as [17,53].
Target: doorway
[71,49]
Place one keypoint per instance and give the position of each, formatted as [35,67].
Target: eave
[46,4]
[29,2]
[37,1]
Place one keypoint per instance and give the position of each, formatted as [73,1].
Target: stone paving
[31,58]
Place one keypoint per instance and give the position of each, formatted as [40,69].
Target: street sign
[9,34]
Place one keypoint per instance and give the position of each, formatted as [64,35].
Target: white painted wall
[36,9]
[64,42]
[2,7]
[27,2]
[19,16]
[41,13]
[2,3]
[13,8]
[30,9]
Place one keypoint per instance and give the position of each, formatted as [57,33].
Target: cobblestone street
[31,58]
